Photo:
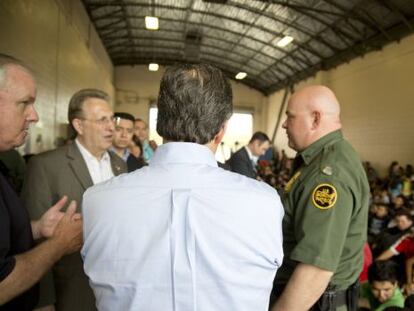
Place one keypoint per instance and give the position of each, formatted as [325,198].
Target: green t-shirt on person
[397,300]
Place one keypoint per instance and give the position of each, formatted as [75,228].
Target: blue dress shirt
[182,234]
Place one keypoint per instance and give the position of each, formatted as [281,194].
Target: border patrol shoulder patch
[324,196]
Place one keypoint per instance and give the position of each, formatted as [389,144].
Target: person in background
[70,170]
[136,150]
[245,159]
[124,131]
[148,146]
[382,289]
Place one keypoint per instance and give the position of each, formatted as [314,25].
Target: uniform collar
[179,152]
[314,149]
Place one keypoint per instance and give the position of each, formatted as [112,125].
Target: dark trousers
[330,300]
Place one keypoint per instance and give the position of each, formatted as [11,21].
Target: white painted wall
[56,38]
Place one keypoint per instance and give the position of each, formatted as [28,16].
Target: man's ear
[219,136]
[316,119]
[77,125]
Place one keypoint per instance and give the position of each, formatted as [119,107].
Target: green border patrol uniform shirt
[326,211]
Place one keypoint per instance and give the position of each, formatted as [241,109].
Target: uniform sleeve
[322,217]
[7,263]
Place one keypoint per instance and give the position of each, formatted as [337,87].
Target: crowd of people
[390,242]
[182,233]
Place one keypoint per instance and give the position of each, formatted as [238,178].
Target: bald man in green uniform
[326,209]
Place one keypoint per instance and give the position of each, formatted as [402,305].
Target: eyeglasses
[102,121]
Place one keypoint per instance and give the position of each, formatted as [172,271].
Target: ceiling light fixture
[153,67]
[285,41]
[151,22]
[241,75]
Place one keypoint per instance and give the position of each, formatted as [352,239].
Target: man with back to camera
[326,209]
[186,234]
[22,264]
[70,170]
[244,160]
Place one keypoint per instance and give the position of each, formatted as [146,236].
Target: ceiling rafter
[326,33]
[115,54]
[109,46]
[213,14]
[295,59]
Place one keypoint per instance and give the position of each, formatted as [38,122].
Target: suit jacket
[49,176]
[240,163]
[134,163]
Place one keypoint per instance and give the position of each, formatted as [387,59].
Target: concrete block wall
[56,38]
[377,97]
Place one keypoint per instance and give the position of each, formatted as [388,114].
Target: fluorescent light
[241,75]
[285,41]
[151,22]
[153,67]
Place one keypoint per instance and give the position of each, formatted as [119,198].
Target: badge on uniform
[324,196]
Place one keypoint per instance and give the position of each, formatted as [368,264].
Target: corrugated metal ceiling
[241,35]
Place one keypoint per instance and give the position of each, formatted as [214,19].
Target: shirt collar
[124,156]
[310,152]
[180,152]
[89,156]
[250,154]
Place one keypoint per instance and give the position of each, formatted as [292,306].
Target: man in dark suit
[244,160]
[124,132]
[70,170]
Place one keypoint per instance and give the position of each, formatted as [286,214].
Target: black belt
[341,297]
[334,298]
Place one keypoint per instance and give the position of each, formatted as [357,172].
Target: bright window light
[285,41]
[151,22]
[238,133]
[153,67]
[241,75]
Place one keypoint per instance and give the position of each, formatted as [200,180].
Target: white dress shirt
[100,170]
[182,234]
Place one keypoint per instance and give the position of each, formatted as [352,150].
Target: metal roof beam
[109,46]
[295,59]
[221,16]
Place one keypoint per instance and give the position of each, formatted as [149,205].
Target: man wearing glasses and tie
[70,170]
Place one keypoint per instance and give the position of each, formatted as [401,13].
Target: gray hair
[195,100]
[5,62]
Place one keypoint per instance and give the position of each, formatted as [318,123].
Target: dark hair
[382,271]
[140,120]
[409,302]
[75,110]
[125,116]
[194,102]
[404,212]
[260,136]
[138,143]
